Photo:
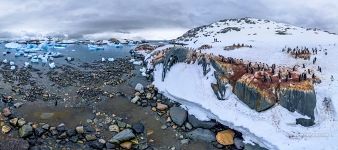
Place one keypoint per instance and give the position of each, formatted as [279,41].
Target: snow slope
[276,127]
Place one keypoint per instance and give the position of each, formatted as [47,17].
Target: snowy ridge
[276,127]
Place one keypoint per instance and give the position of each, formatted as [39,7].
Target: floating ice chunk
[95,47]
[132,60]
[12,67]
[5,61]
[73,50]
[11,63]
[103,59]
[4,53]
[69,59]
[13,45]
[35,60]
[44,59]
[137,62]
[26,64]
[111,59]
[52,65]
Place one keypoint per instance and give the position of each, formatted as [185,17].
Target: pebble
[126,145]
[138,127]
[161,106]
[13,121]
[114,128]
[79,129]
[25,131]
[90,137]
[5,129]
[6,112]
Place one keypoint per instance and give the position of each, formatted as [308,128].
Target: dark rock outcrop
[252,97]
[174,55]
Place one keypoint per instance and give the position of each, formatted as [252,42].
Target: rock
[45,126]
[164,127]
[305,122]
[6,112]
[96,145]
[5,129]
[62,135]
[201,134]
[161,106]
[121,124]
[17,105]
[88,129]
[135,99]
[188,126]
[239,144]
[184,141]
[74,139]
[139,87]
[138,127]
[110,146]
[178,115]
[126,145]
[71,132]
[79,129]
[149,96]
[200,124]
[102,141]
[39,131]
[21,122]
[13,121]
[61,128]
[90,137]
[124,135]
[25,131]
[225,137]
[114,128]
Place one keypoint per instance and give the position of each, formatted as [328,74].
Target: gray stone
[135,99]
[124,135]
[200,124]
[138,127]
[202,134]
[305,122]
[25,131]
[139,87]
[17,105]
[79,129]
[239,144]
[90,137]
[178,115]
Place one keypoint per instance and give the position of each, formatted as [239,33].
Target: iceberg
[95,47]
[13,45]
[103,59]
[5,61]
[11,63]
[26,64]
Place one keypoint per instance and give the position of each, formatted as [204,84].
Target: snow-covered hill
[259,41]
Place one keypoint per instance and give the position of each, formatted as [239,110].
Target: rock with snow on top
[111,59]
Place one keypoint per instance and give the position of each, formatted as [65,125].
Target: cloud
[92,18]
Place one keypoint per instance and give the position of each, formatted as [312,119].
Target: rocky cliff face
[300,98]
[254,97]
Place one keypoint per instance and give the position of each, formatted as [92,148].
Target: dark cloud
[92,17]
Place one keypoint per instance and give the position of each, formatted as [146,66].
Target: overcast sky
[152,19]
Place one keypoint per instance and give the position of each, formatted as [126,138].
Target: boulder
[225,137]
[124,135]
[200,124]
[96,145]
[178,115]
[139,87]
[25,131]
[201,134]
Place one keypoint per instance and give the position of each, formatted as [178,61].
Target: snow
[12,45]
[12,68]
[103,59]
[276,127]
[26,64]
[5,61]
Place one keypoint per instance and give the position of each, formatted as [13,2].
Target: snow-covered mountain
[259,41]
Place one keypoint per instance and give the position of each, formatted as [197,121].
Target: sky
[151,19]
